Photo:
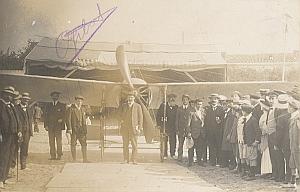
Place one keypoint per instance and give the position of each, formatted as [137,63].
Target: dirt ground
[41,170]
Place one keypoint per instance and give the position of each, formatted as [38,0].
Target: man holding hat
[25,115]
[76,126]
[170,118]
[213,125]
[54,123]
[8,128]
[131,126]
[182,123]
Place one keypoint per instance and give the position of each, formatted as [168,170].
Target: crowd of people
[17,118]
[251,135]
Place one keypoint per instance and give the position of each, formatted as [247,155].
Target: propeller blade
[124,67]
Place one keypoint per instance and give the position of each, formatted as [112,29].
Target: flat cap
[222,97]
[213,95]
[294,104]
[273,94]
[279,92]
[185,96]
[264,91]
[79,97]
[55,93]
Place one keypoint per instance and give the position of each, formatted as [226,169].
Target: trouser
[5,156]
[214,141]
[206,152]
[132,139]
[36,126]
[24,146]
[199,147]
[277,158]
[287,155]
[55,135]
[172,143]
[14,150]
[181,139]
[82,140]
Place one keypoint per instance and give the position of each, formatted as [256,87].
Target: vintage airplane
[110,94]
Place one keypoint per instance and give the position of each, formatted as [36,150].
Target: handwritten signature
[82,33]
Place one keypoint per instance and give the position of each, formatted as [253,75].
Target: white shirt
[185,106]
[54,103]
[23,107]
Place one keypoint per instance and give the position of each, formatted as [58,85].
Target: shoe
[2,185]
[58,158]
[134,162]
[172,156]
[189,164]
[165,158]
[200,163]
[85,161]
[250,178]
[179,159]
[231,167]
[125,162]
[52,158]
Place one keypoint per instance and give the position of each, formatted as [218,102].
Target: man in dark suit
[25,115]
[197,132]
[212,122]
[252,135]
[8,130]
[170,118]
[76,126]
[54,123]
[131,126]
[182,123]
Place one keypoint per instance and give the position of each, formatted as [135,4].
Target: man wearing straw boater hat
[25,115]
[8,128]
[54,123]
[131,126]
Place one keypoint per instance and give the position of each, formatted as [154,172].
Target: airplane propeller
[143,93]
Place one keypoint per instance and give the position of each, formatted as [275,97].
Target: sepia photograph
[149,96]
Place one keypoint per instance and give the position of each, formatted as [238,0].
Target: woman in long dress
[266,165]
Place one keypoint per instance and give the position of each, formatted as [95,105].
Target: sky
[233,26]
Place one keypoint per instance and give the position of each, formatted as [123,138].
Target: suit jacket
[210,122]
[25,118]
[76,120]
[196,125]
[8,124]
[136,119]
[170,117]
[282,128]
[257,112]
[252,131]
[228,125]
[294,132]
[53,114]
[182,120]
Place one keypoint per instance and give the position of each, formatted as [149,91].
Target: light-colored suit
[130,128]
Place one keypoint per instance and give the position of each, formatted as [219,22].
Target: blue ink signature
[81,32]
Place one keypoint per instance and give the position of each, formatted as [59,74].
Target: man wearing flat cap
[8,129]
[55,113]
[213,125]
[169,118]
[182,123]
[76,126]
[131,126]
[25,114]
